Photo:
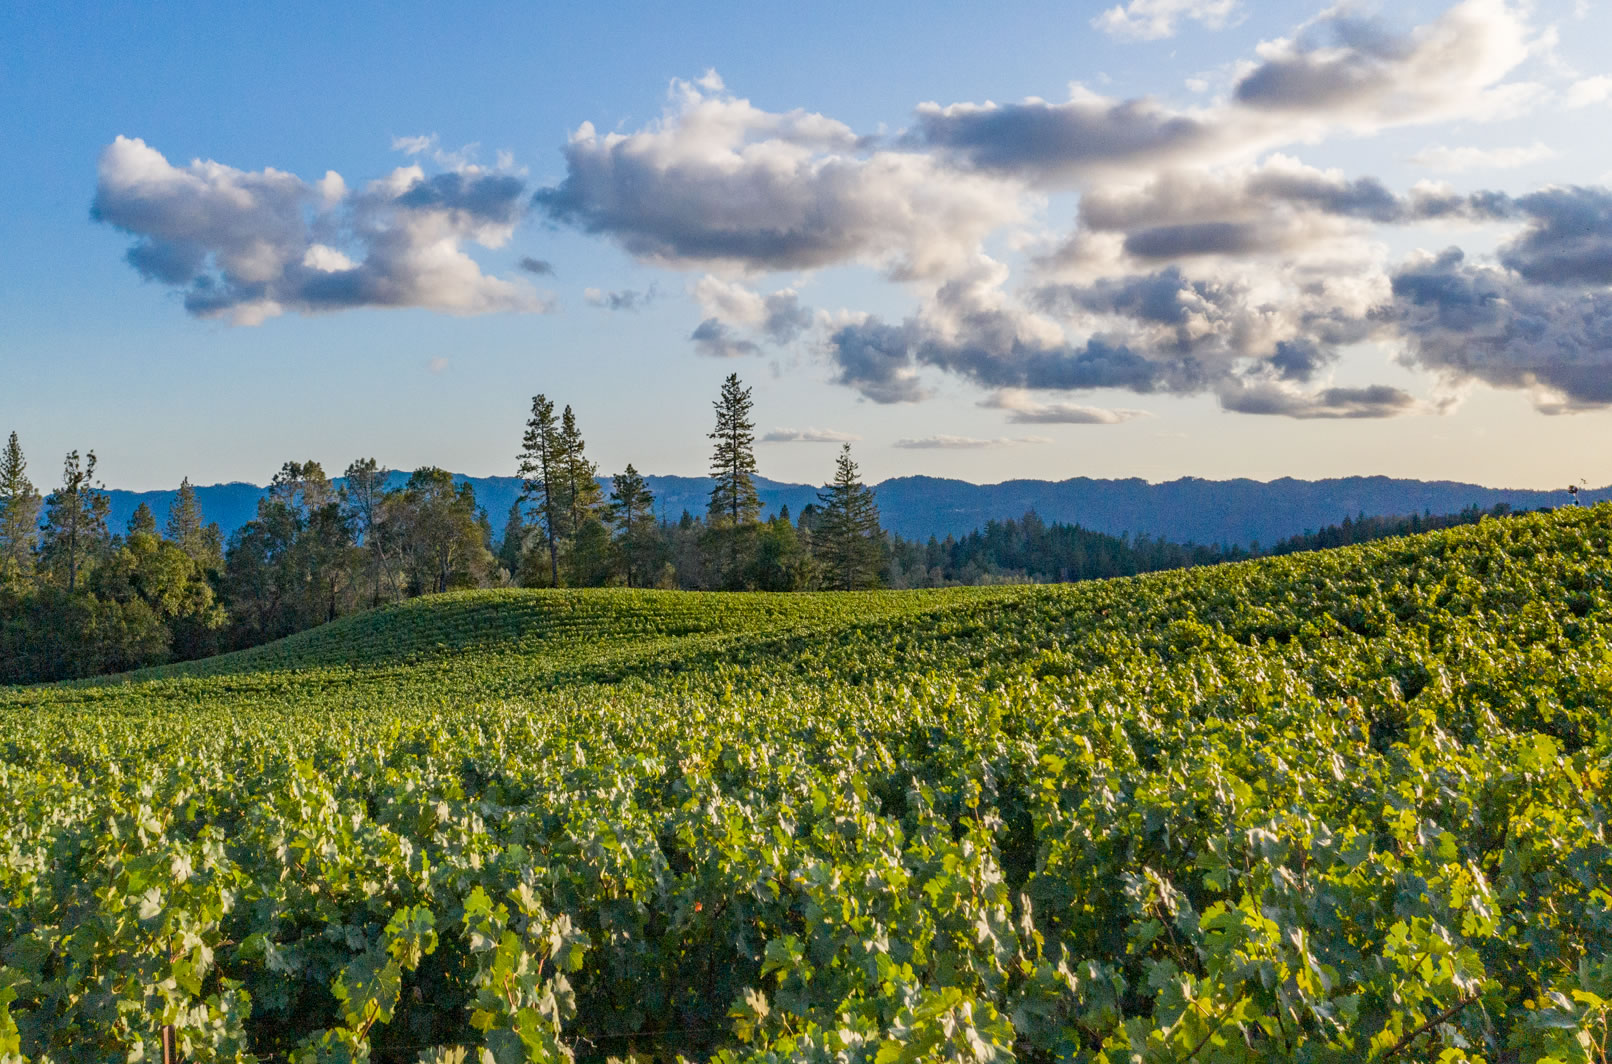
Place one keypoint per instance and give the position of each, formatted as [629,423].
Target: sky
[1211,238]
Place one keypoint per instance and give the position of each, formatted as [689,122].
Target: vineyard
[1350,805]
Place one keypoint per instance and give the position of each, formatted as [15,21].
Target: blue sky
[1186,237]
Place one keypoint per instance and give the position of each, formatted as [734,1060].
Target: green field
[1343,806]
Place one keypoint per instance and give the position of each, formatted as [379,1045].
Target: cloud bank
[1205,256]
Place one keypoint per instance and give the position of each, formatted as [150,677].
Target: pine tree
[184,528]
[632,512]
[541,474]
[142,522]
[733,461]
[513,545]
[19,513]
[848,536]
[582,494]
[75,518]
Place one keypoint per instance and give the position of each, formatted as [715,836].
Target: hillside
[1340,806]
[1233,512]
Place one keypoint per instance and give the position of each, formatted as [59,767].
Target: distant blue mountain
[1187,510]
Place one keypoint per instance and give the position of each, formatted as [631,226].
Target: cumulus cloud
[248,245]
[1339,72]
[808,436]
[1568,239]
[1586,92]
[964,443]
[1049,142]
[1150,20]
[622,299]
[1372,401]
[779,316]
[1359,73]
[1455,160]
[719,182]
[1470,321]
[1025,409]
[714,338]
[1165,332]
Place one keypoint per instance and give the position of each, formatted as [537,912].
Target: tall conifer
[513,544]
[632,511]
[19,512]
[184,527]
[75,518]
[733,460]
[582,494]
[541,476]
[848,535]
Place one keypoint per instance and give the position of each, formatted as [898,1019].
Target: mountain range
[1231,512]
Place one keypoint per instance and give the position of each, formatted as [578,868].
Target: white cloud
[1587,91]
[1024,409]
[808,436]
[248,245]
[1150,20]
[722,183]
[1439,157]
[965,443]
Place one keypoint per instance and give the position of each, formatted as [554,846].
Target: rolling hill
[1348,805]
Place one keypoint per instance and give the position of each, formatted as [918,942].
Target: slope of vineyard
[1343,806]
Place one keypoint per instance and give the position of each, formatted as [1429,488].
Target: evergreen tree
[184,528]
[541,475]
[142,522]
[848,538]
[75,520]
[632,512]
[582,494]
[587,540]
[733,461]
[19,513]
[513,545]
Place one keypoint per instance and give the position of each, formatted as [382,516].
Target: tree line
[78,598]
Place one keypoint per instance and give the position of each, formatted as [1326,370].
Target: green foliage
[848,538]
[632,515]
[19,514]
[75,534]
[542,472]
[733,460]
[1334,807]
[435,527]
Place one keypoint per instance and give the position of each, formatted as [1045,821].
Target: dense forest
[78,598]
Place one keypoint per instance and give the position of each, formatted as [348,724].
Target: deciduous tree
[363,491]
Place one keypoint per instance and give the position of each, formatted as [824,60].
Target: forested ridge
[80,598]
